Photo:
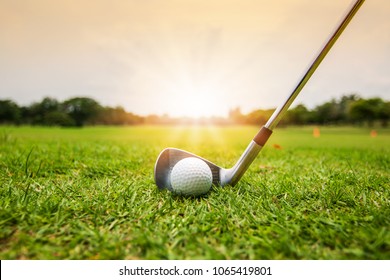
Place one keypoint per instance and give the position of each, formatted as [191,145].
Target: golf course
[89,193]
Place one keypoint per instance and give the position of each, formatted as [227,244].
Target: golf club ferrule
[262,136]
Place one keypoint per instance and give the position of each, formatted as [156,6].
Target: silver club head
[221,176]
[168,159]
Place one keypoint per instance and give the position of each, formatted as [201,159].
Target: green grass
[89,194]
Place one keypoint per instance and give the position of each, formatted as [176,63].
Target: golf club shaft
[253,149]
[281,111]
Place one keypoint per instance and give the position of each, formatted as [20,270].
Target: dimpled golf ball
[191,177]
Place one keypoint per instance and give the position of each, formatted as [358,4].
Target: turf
[89,194]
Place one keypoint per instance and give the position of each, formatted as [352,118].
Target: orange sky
[190,57]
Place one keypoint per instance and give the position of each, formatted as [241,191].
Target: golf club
[221,176]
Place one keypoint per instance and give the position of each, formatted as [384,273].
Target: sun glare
[196,104]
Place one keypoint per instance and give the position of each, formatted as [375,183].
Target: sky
[190,57]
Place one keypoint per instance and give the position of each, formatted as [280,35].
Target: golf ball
[191,176]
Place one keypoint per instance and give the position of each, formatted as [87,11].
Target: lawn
[89,194]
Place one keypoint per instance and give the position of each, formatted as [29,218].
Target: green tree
[384,114]
[344,106]
[327,113]
[366,110]
[38,111]
[9,112]
[81,109]
[298,115]
[57,118]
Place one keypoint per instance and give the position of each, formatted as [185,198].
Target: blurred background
[219,61]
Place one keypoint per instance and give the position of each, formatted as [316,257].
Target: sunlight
[195,103]
[197,106]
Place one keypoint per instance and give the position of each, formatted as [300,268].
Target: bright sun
[196,103]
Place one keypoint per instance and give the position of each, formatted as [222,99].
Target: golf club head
[168,159]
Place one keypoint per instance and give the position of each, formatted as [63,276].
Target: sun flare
[195,103]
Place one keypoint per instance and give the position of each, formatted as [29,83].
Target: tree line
[348,110]
[79,111]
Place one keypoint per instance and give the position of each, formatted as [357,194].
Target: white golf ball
[191,176]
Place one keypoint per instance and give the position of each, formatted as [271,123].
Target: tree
[298,115]
[134,119]
[367,110]
[81,109]
[9,112]
[236,116]
[327,113]
[112,116]
[60,118]
[384,114]
[344,106]
[37,111]
[258,117]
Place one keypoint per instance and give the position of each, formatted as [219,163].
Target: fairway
[89,193]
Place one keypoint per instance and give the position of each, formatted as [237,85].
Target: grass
[89,194]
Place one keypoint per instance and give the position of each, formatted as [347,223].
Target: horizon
[192,59]
[184,117]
